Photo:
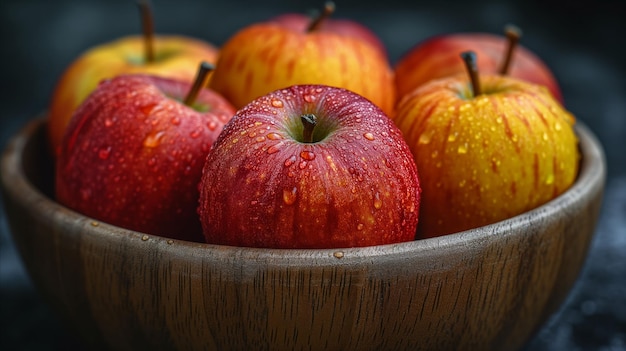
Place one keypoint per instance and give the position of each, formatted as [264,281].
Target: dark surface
[582,42]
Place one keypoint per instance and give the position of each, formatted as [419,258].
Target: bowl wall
[488,288]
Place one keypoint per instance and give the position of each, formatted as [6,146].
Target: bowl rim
[591,179]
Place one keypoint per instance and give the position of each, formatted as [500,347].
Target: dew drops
[151,161]
[290,161]
[545,136]
[369,136]
[290,195]
[277,103]
[378,203]
[153,139]
[462,149]
[550,179]
[212,125]
[557,126]
[195,134]
[424,138]
[272,149]
[104,153]
[175,121]
[434,154]
[360,226]
[260,139]
[452,137]
[274,136]
[309,98]
[307,155]
[108,122]
[499,120]
[302,165]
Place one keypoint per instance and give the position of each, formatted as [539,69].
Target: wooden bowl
[487,288]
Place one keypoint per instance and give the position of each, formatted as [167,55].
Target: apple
[133,153]
[302,23]
[438,57]
[170,56]
[267,56]
[309,166]
[488,151]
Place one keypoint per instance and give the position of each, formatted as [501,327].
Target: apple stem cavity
[329,9]
[469,57]
[309,121]
[147,25]
[513,34]
[200,81]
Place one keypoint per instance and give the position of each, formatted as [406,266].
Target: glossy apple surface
[176,57]
[268,56]
[133,154]
[486,158]
[265,184]
[438,57]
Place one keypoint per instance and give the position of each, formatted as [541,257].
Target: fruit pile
[299,133]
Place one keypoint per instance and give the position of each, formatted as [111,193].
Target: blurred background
[581,41]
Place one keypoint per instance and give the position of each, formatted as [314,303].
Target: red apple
[133,154]
[300,23]
[170,56]
[438,57]
[309,166]
[486,151]
[268,56]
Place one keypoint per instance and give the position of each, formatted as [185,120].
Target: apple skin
[268,56]
[355,185]
[133,154]
[488,158]
[176,57]
[438,57]
[299,22]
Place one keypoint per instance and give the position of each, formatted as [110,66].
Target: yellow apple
[264,57]
[175,57]
[486,157]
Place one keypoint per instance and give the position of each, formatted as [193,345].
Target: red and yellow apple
[487,156]
[309,166]
[268,56]
[133,154]
[175,57]
[438,57]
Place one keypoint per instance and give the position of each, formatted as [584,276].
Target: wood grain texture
[488,288]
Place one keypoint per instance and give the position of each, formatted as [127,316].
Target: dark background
[581,41]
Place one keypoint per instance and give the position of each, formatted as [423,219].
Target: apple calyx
[309,121]
[513,34]
[329,9]
[469,57]
[147,25]
[203,72]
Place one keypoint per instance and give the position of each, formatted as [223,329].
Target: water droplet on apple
[360,226]
[212,125]
[545,136]
[108,122]
[196,133]
[424,138]
[152,161]
[147,109]
[378,203]
[302,165]
[309,98]
[290,195]
[277,103]
[434,154]
[274,136]
[290,161]
[499,120]
[557,126]
[251,134]
[104,153]
[318,90]
[550,179]
[153,139]
[369,136]
[175,121]
[272,149]
[260,139]
[307,155]
[462,149]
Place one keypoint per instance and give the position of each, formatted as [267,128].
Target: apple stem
[472,69]
[203,72]
[329,9]
[308,121]
[513,34]
[147,24]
